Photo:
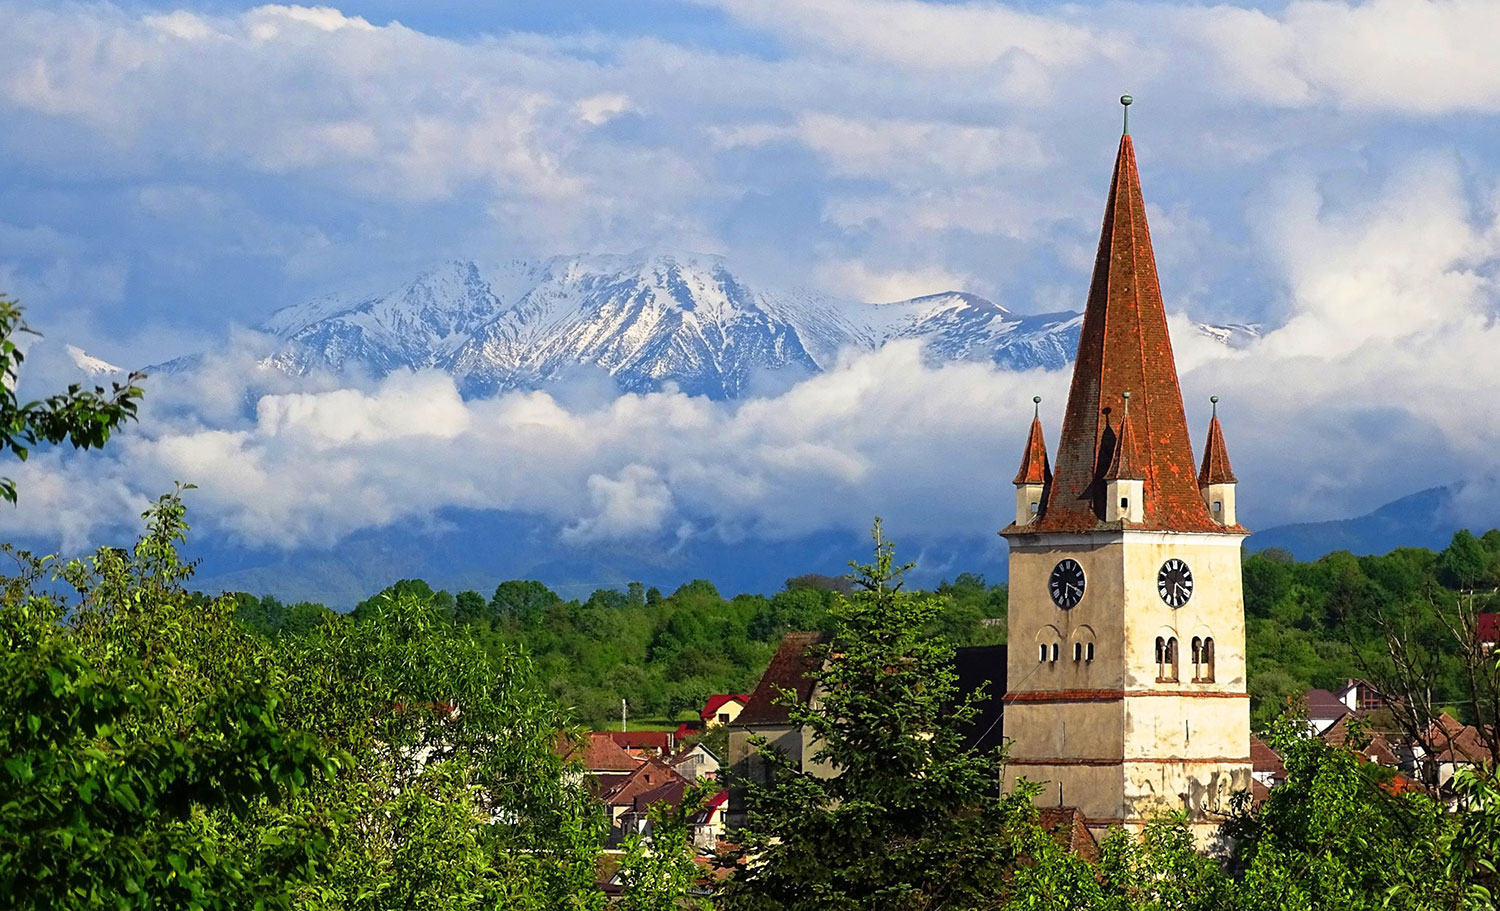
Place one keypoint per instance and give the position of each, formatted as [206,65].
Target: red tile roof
[1488,627]
[1124,346]
[717,701]
[648,776]
[1323,704]
[1265,759]
[1378,750]
[1215,468]
[1457,742]
[788,670]
[597,753]
[660,741]
[1034,466]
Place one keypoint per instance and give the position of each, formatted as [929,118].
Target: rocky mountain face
[648,319]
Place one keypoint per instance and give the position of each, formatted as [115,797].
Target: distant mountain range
[1422,519]
[649,319]
[652,320]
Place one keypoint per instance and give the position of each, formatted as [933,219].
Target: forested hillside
[1310,624]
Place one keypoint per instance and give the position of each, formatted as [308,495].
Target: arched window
[1208,660]
[1089,652]
[1042,652]
[1056,651]
[1197,658]
[1078,651]
[1166,659]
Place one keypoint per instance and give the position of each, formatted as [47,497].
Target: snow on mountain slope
[649,319]
[88,363]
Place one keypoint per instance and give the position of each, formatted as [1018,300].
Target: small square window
[1036,507]
[1124,502]
[1218,506]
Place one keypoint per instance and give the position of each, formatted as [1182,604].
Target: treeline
[1318,623]
[1309,624]
[662,653]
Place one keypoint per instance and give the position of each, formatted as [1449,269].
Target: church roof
[1034,466]
[1124,347]
[1215,468]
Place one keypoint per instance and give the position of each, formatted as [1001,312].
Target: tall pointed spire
[1215,468]
[1124,346]
[1034,466]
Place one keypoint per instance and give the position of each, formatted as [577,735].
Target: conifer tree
[912,817]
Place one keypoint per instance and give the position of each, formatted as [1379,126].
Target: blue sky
[172,171]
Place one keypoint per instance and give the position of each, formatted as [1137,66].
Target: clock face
[1066,584]
[1175,582]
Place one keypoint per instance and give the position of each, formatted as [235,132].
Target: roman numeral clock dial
[1175,583]
[1066,584]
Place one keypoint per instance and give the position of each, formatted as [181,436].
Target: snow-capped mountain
[648,319]
[89,364]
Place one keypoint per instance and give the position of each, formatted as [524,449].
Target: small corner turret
[1124,480]
[1035,475]
[1216,479]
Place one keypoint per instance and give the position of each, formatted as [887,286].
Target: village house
[1324,709]
[696,762]
[723,708]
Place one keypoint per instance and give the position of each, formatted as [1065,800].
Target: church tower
[1126,666]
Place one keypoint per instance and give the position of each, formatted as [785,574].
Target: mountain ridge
[649,319]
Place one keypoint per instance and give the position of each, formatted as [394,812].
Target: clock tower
[1126,666]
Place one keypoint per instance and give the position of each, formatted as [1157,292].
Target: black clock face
[1175,583]
[1066,584]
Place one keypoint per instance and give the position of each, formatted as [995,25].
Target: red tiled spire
[1215,468]
[1124,346]
[1034,466]
[1126,465]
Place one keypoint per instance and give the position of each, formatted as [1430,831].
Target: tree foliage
[911,817]
[159,753]
[81,417]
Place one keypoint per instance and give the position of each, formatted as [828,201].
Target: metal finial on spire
[1215,401]
[1126,101]
[1036,401]
[1127,394]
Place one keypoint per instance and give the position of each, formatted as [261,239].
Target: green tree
[910,817]
[522,599]
[1464,563]
[658,870]
[469,606]
[139,729]
[1337,835]
[83,418]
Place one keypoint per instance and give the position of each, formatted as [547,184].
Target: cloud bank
[1356,399]
[1323,167]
